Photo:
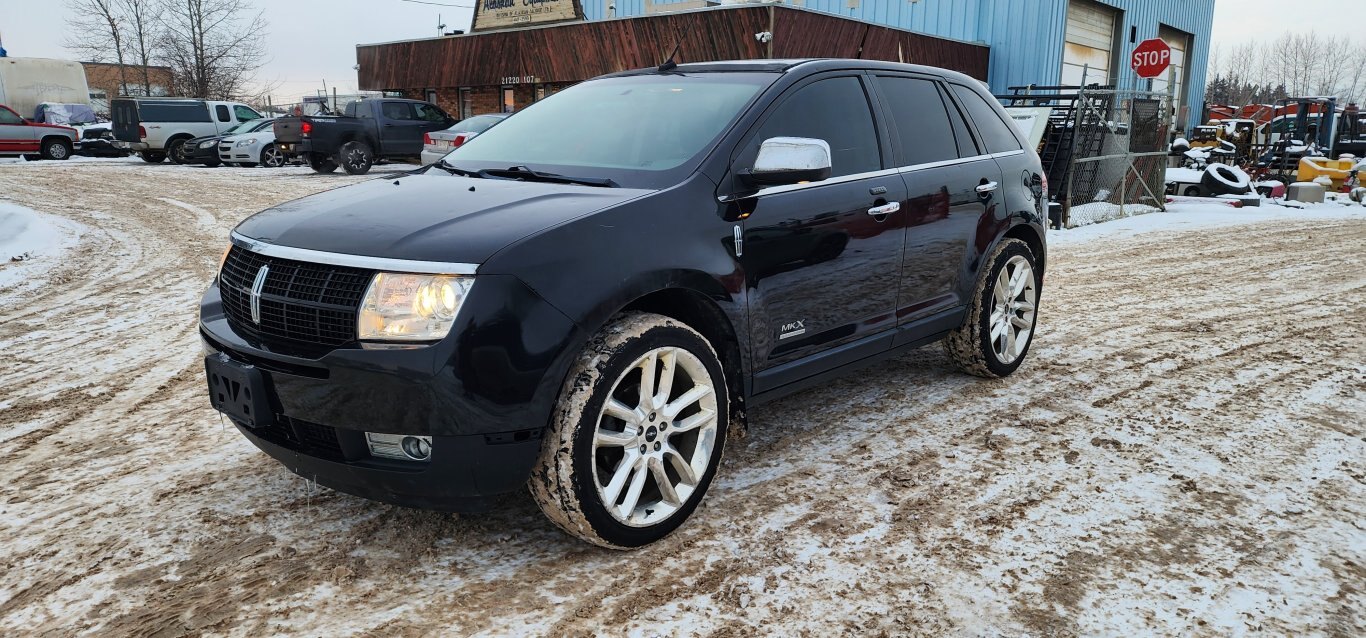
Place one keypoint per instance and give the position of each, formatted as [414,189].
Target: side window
[995,132]
[397,111]
[966,146]
[223,114]
[835,110]
[920,119]
[8,117]
[245,114]
[429,113]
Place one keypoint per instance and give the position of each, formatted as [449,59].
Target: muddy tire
[996,334]
[623,466]
[355,157]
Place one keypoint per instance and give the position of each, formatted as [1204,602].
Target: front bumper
[484,395]
[198,155]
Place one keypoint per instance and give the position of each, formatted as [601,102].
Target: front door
[821,270]
[16,136]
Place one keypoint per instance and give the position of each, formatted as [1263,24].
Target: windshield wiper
[455,170]
[524,173]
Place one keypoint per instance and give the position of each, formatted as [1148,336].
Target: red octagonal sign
[1151,58]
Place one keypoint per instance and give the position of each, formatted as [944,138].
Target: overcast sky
[312,41]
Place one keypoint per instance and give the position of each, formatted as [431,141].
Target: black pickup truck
[370,130]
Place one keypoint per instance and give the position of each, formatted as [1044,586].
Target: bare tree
[213,47]
[142,28]
[95,33]
[1295,64]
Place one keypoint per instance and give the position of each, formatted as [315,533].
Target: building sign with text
[506,14]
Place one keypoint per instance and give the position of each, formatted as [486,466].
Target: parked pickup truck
[371,129]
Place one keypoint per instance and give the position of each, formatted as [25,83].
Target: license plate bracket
[237,390]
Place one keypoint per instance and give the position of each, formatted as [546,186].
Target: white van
[157,128]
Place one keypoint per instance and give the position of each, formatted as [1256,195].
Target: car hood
[427,217]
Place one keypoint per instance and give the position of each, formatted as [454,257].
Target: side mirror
[789,160]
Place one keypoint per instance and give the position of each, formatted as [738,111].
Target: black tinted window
[920,120]
[834,110]
[173,112]
[994,131]
[223,114]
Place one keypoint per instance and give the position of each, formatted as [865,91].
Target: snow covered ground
[1184,453]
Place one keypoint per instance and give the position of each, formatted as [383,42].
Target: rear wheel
[321,163]
[993,340]
[637,433]
[152,157]
[356,157]
[271,157]
[176,151]
[56,148]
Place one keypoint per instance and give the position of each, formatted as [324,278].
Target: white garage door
[1089,42]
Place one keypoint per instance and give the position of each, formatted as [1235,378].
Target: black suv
[586,296]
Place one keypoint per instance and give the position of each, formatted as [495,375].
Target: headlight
[406,307]
[246,142]
[208,144]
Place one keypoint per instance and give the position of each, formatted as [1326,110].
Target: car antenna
[669,63]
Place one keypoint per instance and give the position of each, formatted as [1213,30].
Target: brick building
[103,79]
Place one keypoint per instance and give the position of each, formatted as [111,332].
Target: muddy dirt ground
[1184,453]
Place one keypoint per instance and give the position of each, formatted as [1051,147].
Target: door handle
[987,188]
[885,209]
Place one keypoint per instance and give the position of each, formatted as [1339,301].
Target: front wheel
[271,157]
[356,158]
[152,157]
[176,151]
[637,434]
[56,149]
[993,340]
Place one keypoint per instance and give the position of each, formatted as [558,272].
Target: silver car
[251,149]
[436,145]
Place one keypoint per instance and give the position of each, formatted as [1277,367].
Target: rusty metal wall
[576,52]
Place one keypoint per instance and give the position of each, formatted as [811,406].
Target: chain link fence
[1118,156]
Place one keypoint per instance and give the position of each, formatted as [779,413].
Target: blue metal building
[1041,42]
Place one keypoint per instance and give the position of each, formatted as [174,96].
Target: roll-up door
[1088,43]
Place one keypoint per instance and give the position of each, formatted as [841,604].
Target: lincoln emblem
[256,287]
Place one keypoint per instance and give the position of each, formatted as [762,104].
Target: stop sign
[1150,58]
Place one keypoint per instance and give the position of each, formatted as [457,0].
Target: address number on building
[520,79]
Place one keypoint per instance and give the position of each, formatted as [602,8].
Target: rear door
[125,115]
[16,136]
[399,129]
[821,259]
[942,167]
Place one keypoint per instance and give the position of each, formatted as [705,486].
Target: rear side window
[223,114]
[429,113]
[397,111]
[173,112]
[995,132]
[920,120]
[245,114]
[835,110]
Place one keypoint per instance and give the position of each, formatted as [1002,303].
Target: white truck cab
[157,128]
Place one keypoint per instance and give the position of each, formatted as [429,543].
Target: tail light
[142,132]
[460,139]
[427,139]
[306,129]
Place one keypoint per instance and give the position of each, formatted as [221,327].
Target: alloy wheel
[1012,309]
[655,437]
[272,157]
[57,150]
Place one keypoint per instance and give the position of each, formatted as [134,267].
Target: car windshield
[244,127]
[644,131]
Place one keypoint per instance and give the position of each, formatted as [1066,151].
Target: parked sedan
[250,149]
[204,150]
[436,145]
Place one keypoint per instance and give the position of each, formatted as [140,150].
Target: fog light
[399,446]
